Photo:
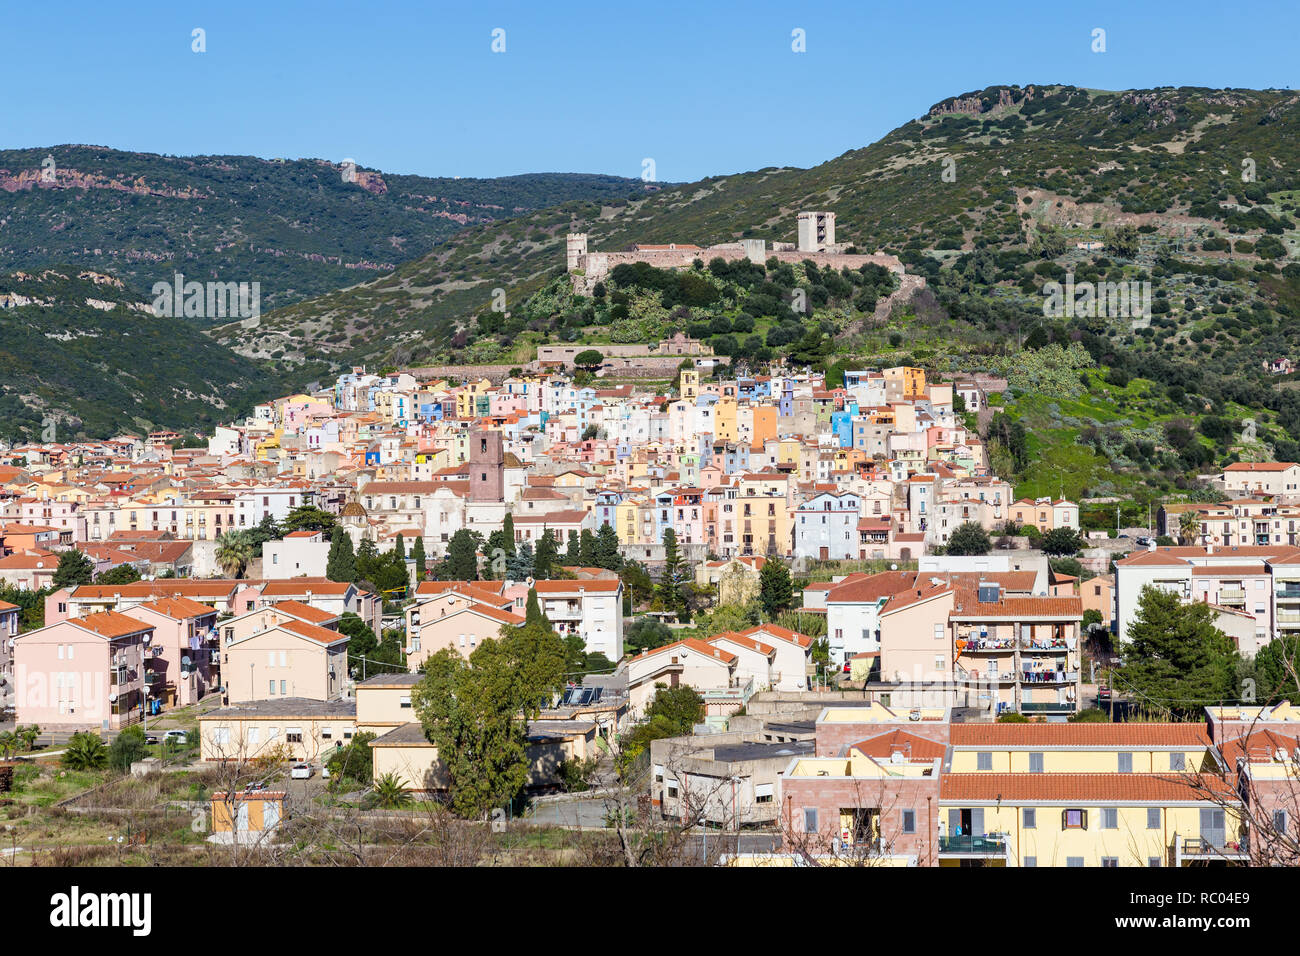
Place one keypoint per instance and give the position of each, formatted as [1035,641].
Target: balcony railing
[1049,677]
[1288,594]
[1232,594]
[994,844]
[1065,707]
[985,644]
[1043,644]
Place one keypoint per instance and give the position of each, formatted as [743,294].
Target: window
[1153,861]
[1279,821]
[1074,819]
[1153,818]
[1031,818]
[810,820]
[938,632]
[1177,761]
[1030,861]
[1109,818]
[984,760]
[1112,861]
[1074,861]
[1125,763]
[293,735]
[763,792]
[406,702]
[284,687]
[659,773]
[270,658]
[221,736]
[909,821]
[271,690]
[672,788]
[1035,763]
[253,734]
[284,660]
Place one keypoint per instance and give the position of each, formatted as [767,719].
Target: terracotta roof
[312,632]
[181,608]
[305,612]
[1080,788]
[886,744]
[1157,735]
[694,644]
[573,587]
[742,641]
[1260,466]
[111,624]
[783,633]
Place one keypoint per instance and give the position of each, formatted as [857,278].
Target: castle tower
[577,247]
[816,231]
[487,466]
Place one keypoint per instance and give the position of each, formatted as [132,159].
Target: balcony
[1049,677]
[1044,644]
[1189,851]
[976,645]
[988,844]
[1227,595]
[1063,707]
[1288,594]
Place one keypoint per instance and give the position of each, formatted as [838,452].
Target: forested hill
[299,227]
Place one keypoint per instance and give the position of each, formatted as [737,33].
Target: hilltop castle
[816,241]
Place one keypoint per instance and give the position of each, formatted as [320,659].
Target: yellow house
[292,728]
[724,420]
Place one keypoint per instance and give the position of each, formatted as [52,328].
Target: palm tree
[391,792]
[28,735]
[1189,526]
[234,551]
[85,751]
[8,743]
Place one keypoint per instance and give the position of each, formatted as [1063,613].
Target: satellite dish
[185,661]
[148,638]
[112,696]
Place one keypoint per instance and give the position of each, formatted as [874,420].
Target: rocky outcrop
[65,178]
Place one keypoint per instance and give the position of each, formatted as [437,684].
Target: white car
[175,736]
[300,771]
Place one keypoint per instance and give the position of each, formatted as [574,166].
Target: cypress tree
[341,565]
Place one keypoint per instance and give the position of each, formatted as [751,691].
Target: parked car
[848,668]
[300,771]
[324,772]
[1142,541]
[150,739]
[176,736]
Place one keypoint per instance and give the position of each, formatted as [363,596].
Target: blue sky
[702,89]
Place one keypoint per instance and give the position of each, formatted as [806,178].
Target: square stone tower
[577,247]
[816,231]
[487,466]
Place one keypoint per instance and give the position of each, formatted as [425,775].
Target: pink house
[183,653]
[83,674]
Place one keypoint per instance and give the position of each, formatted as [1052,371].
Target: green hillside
[297,227]
[86,356]
[991,195]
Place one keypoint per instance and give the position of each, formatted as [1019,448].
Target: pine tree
[400,548]
[547,553]
[74,568]
[1175,660]
[462,556]
[341,565]
[421,561]
[519,566]
[607,553]
[775,590]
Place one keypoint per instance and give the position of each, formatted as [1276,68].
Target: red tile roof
[1080,788]
[1080,735]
